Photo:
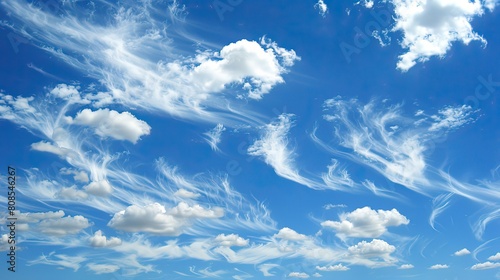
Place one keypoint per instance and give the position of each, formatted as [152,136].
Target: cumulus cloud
[72,193]
[186,194]
[462,252]
[110,123]
[231,240]
[99,188]
[485,265]
[495,257]
[406,266]
[337,267]
[322,7]
[155,218]
[44,146]
[374,248]
[301,275]
[51,223]
[100,240]
[80,176]
[365,222]
[439,266]
[290,234]
[103,268]
[430,27]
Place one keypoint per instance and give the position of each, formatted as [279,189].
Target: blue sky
[251,139]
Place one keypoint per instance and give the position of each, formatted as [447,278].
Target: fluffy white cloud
[231,240]
[80,176]
[365,222]
[431,26]
[462,252]
[485,265]
[317,275]
[289,234]
[406,266]
[154,218]
[300,275]
[100,240]
[44,146]
[99,188]
[110,123]
[72,193]
[495,257]
[63,226]
[439,266]
[103,268]
[186,194]
[68,92]
[337,267]
[375,248]
[322,7]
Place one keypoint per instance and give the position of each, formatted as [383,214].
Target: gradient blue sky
[251,139]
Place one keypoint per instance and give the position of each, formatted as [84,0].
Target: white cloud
[44,146]
[495,257]
[439,266]
[337,267]
[431,26]
[290,234]
[154,218]
[110,123]
[452,117]
[265,268]
[231,240]
[317,275]
[273,148]
[365,222]
[80,176]
[68,92]
[374,248]
[59,260]
[213,136]
[99,188]
[322,7]
[485,265]
[300,275]
[63,226]
[103,268]
[72,193]
[186,194]
[462,252]
[406,266]
[331,206]
[100,240]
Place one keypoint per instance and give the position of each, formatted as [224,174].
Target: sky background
[251,139]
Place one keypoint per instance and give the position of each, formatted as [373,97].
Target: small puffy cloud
[110,123]
[495,257]
[317,275]
[331,206]
[439,266]
[63,226]
[72,193]
[375,248]
[231,240]
[337,267]
[430,27]
[186,194]
[80,176]
[103,268]
[406,266]
[69,93]
[154,218]
[4,245]
[462,252]
[322,7]
[47,147]
[485,265]
[289,234]
[365,222]
[300,275]
[99,188]
[100,240]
